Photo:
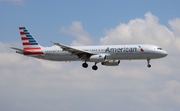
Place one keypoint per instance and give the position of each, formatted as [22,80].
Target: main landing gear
[94,67]
[148,61]
[85,65]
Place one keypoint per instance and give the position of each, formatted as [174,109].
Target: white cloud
[176,31]
[172,90]
[147,30]
[76,29]
[175,26]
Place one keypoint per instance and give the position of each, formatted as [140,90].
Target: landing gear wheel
[94,67]
[149,65]
[148,61]
[85,65]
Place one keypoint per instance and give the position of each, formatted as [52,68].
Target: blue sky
[28,84]
[45,18]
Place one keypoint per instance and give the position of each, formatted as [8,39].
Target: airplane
[108,55]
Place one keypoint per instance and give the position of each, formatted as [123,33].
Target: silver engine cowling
[97,58]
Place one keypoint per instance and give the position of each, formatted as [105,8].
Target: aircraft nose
[164,53]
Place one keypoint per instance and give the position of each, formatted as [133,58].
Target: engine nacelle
[111,63]
[97,58]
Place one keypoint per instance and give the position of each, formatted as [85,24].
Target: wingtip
[52,42]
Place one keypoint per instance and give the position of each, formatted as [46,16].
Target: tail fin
[28,42]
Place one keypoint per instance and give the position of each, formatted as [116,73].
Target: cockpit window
[159,48]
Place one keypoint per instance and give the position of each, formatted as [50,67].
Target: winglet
[56,43]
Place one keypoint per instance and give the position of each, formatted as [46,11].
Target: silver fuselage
[112,52]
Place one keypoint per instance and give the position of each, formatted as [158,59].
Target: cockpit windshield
[159,48]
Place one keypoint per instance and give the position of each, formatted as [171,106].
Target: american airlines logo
[141,49]
[124,49]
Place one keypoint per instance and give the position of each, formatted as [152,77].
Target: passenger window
[159,48]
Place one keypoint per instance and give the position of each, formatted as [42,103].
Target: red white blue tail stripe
[29,43]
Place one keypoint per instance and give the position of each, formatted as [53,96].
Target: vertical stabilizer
[28,42]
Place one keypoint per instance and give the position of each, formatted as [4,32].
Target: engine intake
[111,63]
[97,58]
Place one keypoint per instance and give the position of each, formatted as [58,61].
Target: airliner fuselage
[112,52]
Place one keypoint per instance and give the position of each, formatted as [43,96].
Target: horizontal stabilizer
[19,49]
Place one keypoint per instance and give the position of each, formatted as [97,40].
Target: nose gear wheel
[148,61]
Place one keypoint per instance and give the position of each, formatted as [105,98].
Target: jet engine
[111,63]
[97,58]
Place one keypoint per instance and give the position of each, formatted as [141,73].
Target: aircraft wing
[80,53]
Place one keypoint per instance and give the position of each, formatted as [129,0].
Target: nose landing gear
[148,61]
